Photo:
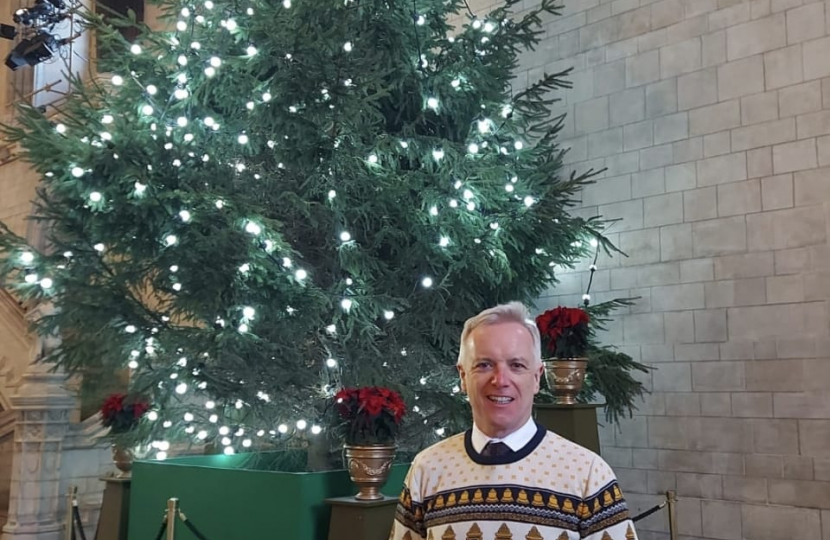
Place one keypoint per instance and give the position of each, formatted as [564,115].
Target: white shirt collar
[516,440]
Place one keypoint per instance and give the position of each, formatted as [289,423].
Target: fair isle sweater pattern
[454,497]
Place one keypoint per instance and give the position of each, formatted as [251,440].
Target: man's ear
[463,376]
[538,376]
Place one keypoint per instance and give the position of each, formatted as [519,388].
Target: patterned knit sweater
[552,489]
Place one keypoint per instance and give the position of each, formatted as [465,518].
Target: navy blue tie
[496,449]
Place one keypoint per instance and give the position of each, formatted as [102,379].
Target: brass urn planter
[123,459]
[369,468]
[565,377]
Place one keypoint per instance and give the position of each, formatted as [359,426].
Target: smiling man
[508,477]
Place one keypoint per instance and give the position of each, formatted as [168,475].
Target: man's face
[500,376]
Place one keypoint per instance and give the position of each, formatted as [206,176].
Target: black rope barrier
[648,512]
[162,529]
[192,527]
[76,519]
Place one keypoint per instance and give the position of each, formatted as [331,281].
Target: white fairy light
[152,90]
[202,435]
[529,201]
[95,196]
[181,26]
[331,362]
[130,329]
[468,194]
[147,109]
[117,80]
[213,418]
[253,228]
[509,188]
[245,268]
[345,236]
[438,154]
[181,93]
[494,225]
[453,203]
[484,126]
[77,172]
[181,388]
[266,96]
[106,119]
[476,24]
[135,48]
[185,215]
[331,329]
[346,304]
[473,148]
[594,242]
[210,71]
[388,315]
[132,364]
[332,194]
[282,428]
[46,283]
[248,312]
[455,83]
[444,241]
[247,443]
[226,441]
[181,121]
[471,206]
[439,432]
[432,103]
[251,50]
[171,239]
[188,417]
[373,159]
[152,416]
[315,429]
[426,282]
[230,25]
[229,451]
[31,279]
[243,328]
[518,145]
[489,27]
[300,274]
[182,60]
[506,110]
[242,139]
[347,46]
[99,247]
[433,210]
[301,424]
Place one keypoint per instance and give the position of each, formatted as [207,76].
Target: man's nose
[500,376]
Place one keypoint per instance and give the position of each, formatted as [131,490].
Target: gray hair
[510,312]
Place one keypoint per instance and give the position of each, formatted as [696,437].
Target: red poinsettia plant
[370,415]
[121,412]
[564,332]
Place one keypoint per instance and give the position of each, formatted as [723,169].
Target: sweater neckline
[510,458]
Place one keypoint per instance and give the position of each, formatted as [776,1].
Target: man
[508,477]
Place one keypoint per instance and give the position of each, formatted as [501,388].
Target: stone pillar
[43,405]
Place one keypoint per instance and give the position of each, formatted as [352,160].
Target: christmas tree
[279,199]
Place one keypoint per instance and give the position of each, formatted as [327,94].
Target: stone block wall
[712,118]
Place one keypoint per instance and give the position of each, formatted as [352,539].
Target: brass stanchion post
[671,498]
[172,514]
[70,502]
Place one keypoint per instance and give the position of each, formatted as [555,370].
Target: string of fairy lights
[204,418]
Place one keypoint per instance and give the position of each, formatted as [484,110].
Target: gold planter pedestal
[353,519]
[369,468]
[565,377]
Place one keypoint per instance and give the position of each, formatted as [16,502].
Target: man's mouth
[500,399]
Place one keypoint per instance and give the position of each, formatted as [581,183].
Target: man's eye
[482,365]
[518,365]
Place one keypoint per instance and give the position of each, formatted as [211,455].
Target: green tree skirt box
[241,497]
